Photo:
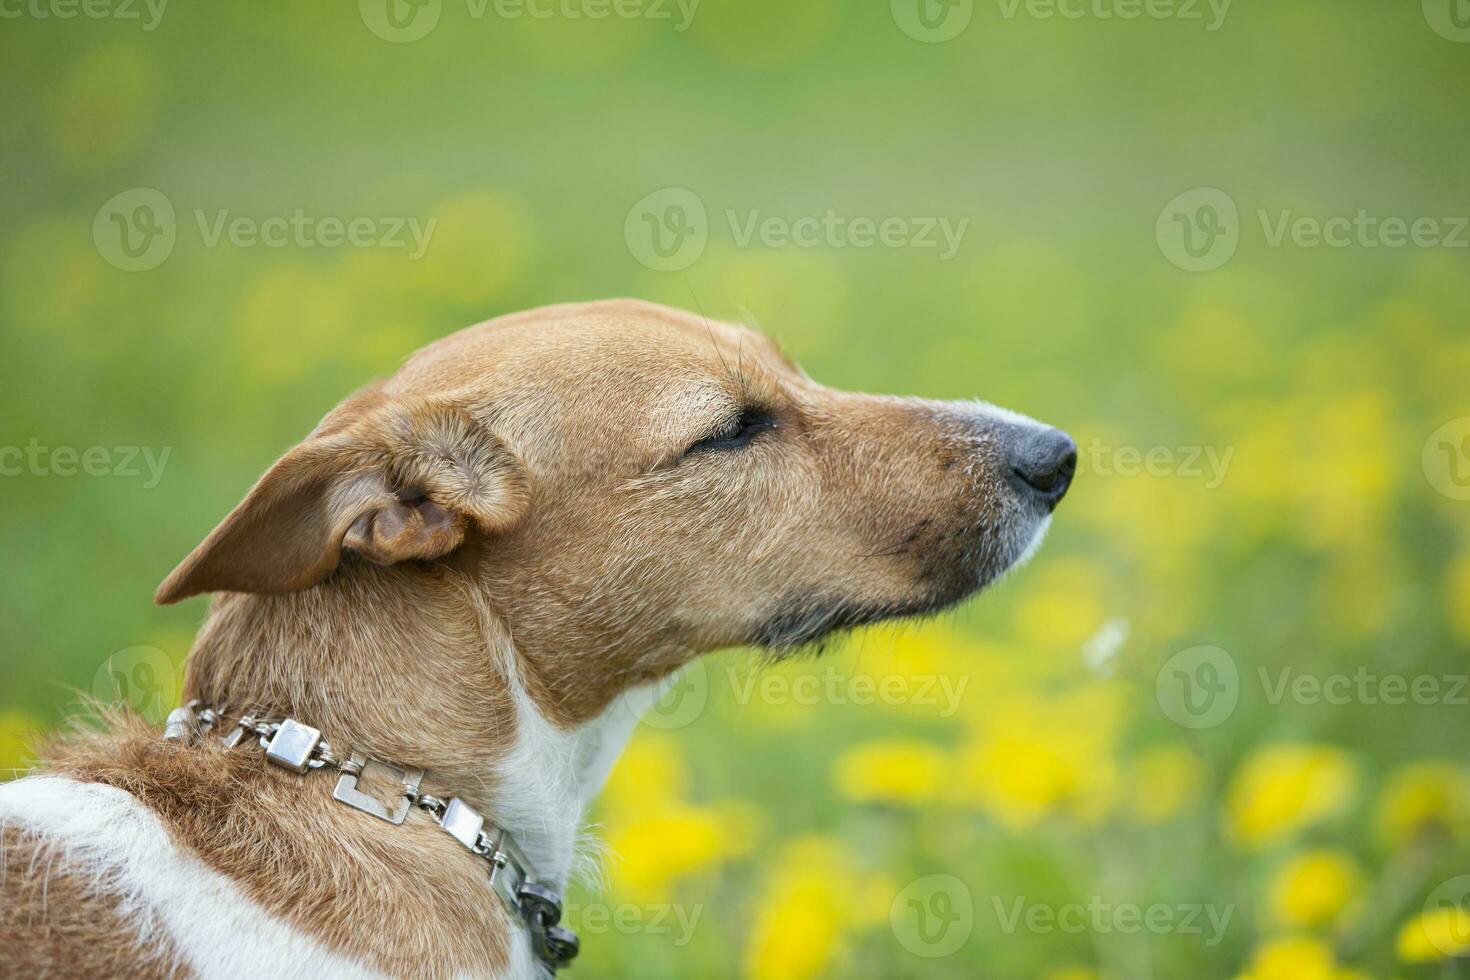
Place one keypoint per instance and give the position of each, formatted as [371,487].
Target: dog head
[628,486]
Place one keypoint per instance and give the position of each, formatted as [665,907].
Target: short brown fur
[58,923]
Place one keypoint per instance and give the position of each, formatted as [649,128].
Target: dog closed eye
[735,432]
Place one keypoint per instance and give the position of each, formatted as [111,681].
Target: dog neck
[427,676]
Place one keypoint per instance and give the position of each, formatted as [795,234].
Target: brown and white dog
[483,566]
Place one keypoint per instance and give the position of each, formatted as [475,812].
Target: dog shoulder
[62,916]
[223,856]
[98,867]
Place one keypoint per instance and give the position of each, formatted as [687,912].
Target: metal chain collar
[301,748]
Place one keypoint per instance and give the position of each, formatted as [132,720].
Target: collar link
[302,749]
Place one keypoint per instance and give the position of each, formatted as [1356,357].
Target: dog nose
[1044,462]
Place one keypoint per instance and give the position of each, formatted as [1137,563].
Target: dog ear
[407,480]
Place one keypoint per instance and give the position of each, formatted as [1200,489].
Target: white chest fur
[550,776]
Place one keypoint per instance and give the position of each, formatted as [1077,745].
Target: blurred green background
[1274,432]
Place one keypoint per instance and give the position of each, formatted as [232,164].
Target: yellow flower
[1065,606]
[1212,345]
[18,731]
[1457,595]
[932,649]
[104,106]
[267,314]
[1435,935]
[1330,494]
[655,835]
[1286,787]
[763,33]
[811,901]
[1294,958]
[1164,780]
[650,772]
[797,930]
[1036,757]
[1312,888]
[675,841]
[1159,524]
[1354,590]
[1349,466]
[809,291]
[1070,973]
[894,770]
[50,279]
[475,252]
[1425,797]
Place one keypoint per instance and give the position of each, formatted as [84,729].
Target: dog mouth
[804,619]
